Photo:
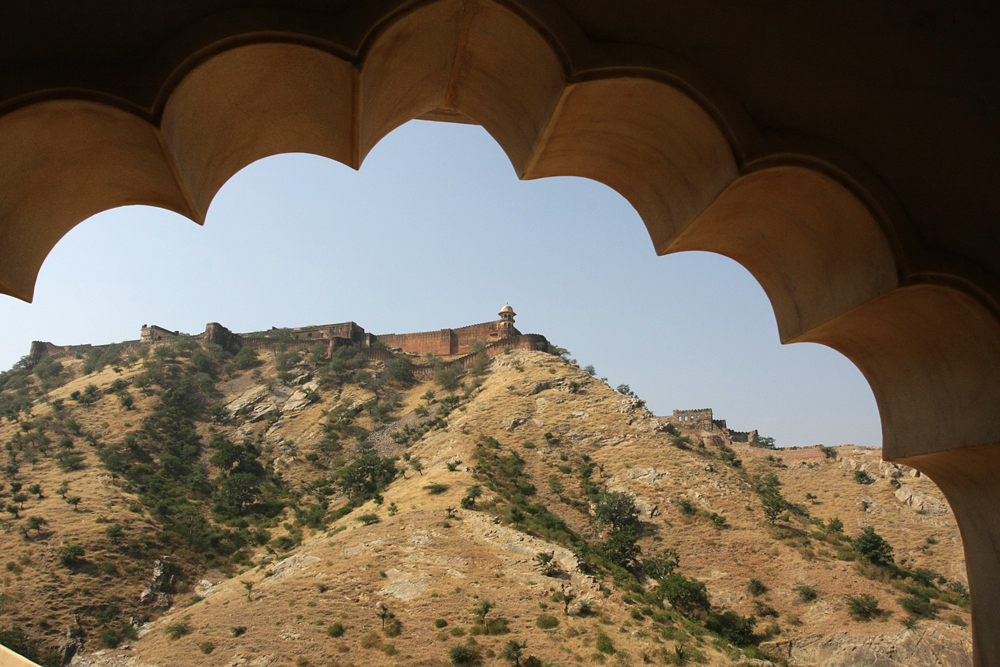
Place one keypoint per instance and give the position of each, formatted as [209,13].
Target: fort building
[702,419]
[496,335]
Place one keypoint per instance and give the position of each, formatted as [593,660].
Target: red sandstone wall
[441,342]
[466,336]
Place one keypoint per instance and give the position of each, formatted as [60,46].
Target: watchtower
[505,327]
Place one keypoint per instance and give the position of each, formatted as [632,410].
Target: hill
[196,508]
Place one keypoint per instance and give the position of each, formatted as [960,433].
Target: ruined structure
[154,334]
[703,420]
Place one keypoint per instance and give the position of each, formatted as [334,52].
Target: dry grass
[423,571]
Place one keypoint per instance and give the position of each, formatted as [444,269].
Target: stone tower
[505,327]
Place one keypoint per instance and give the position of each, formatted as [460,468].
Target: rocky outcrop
[920,502]
[153,591]
[936,645]
[72,644]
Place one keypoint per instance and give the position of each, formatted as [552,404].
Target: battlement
[498,334]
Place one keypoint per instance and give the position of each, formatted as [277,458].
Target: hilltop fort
[496,337]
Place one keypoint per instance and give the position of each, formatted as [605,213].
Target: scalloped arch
[817,249]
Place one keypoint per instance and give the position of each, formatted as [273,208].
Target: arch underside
[819,243]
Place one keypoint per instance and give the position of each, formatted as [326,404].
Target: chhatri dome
[507,313]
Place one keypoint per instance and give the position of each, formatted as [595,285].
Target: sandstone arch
[840,263]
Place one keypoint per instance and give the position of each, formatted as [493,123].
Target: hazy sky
[436,231]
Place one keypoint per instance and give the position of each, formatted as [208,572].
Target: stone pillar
[970,479]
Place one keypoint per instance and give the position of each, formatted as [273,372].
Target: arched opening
[828,257]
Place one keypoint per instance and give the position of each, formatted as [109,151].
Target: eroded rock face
[152,592]
[921,502]
[935,645]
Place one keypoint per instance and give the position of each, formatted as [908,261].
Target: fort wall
[443,342]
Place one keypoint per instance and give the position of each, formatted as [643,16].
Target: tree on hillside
[481,361]
[481,610]
[238,490]
[246,358]
[621,549]
[513,651]
[687,595]
[383,613]
[873,547]
[366,476]
[661,565]
[763,442]
[616,509]
[447,376]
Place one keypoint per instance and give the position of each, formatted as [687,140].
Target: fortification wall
[259,344]
[443,342]
[488,332]
[521,342]
[40,348]
[377,353]
[348,330]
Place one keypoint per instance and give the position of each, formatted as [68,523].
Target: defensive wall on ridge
[704,420]
[496,335]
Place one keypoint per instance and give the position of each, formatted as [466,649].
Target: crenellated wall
[442,343]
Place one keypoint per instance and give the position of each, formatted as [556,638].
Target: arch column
[970,480]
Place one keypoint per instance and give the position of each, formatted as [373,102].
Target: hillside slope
[297,567]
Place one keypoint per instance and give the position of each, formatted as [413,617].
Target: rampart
[497,337]
[447,342]
[742,436]
[443,342]
[495,349]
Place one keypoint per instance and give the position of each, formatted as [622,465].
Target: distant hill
[186,506]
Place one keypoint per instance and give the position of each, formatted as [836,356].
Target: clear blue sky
[436,231]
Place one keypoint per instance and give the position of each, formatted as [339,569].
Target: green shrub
[733,628]
[806,593]
[756,587]
[440,623]
[368,519]
[371,640]
[335,630]
[604,644]
[919,606]
[687,595]
[110,639]
[177,630]
[498,626]
[74,462]
[547,622]
[862,477]
[464,655]
[762,609]
[435,489]
[873,548]
[71,555]
[392,629]
[863,607]
[206,647]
